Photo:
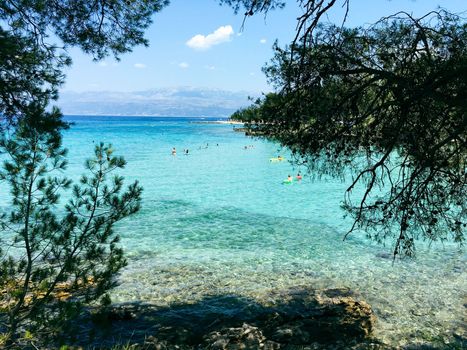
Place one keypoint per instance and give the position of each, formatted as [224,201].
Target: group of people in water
[185,151]
[290,178]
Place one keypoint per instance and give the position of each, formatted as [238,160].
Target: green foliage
[52,259]
[386,105]
[252,7]
[99,28]
[55,260]
[29,73]
[31,65]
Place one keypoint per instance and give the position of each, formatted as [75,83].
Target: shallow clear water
[219,221]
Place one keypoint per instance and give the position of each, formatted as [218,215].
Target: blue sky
[198,43]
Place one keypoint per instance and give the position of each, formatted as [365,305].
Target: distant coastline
[231,122]
[191,120]
[178,101]
[215,118]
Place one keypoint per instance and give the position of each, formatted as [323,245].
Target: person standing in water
[299,177]
[174,151]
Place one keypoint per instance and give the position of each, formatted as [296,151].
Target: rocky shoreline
[299,319]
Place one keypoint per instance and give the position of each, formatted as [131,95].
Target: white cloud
[183,65]
[263,41]
[103,64]
[209,67]
[139,65]
[220,35]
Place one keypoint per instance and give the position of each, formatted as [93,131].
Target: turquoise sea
[219,221]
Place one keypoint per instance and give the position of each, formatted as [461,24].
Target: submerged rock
[302,317]
[324,317]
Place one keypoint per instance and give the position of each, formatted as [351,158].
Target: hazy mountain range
[180,101]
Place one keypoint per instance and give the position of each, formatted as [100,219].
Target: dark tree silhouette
[53,260]
[385,105]
[31,60]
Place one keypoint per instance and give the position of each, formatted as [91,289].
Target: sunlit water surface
[219,221]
